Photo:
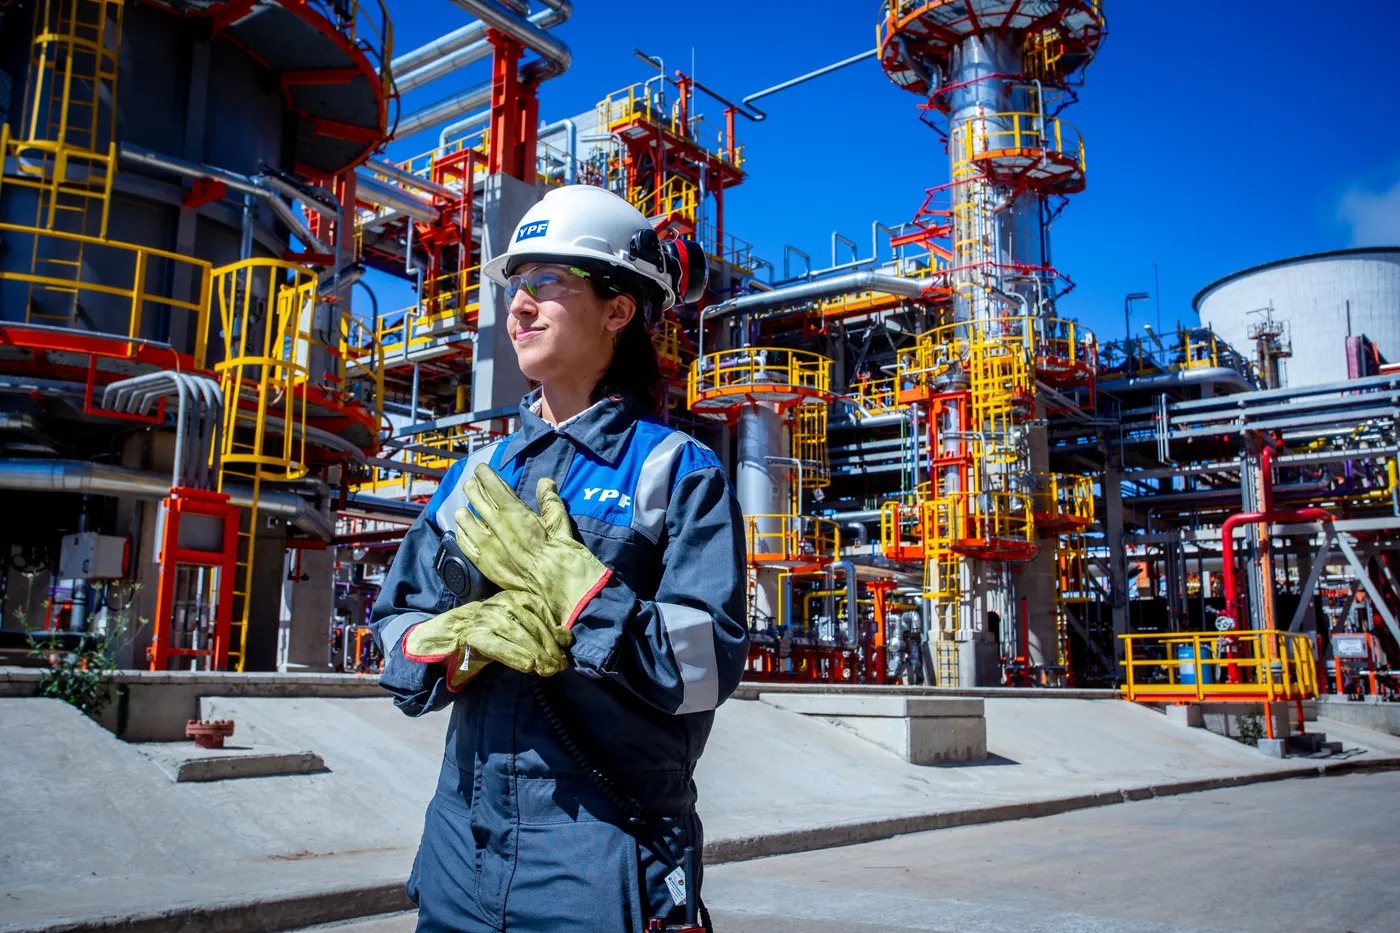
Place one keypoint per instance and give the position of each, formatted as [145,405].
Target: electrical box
[91,556]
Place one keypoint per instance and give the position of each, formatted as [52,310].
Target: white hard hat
[586,223]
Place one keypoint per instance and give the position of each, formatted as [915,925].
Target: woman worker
[583,690]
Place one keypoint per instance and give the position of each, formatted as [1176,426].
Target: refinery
[216,426]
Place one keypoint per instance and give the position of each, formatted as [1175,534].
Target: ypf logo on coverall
[604,495]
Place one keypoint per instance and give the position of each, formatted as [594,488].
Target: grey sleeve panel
[653,493]
[411,593]
[684,651]
[453,498]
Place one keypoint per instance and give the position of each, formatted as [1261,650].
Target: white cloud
[1374,216]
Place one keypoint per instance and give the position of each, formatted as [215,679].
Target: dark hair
[635,370]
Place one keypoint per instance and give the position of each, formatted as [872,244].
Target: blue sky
[1214,140]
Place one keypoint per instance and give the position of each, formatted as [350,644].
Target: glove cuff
[587,598]
[461,666]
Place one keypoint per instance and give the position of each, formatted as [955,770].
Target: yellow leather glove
[510,627]
[519,550]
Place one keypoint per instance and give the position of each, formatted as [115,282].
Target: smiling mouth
[525,333]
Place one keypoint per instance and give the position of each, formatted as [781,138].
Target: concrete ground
[1297,856]
[106,839]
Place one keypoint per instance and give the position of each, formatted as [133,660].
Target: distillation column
[992,69]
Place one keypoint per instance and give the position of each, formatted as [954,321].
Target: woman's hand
[510,627]
[519,550]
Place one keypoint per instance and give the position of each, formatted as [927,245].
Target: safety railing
[1064,501]
[792,539]
[262,306]
[354,371]
[778,374]
[809,445]
[637,102]
[935,355]
[1029,144]
[677,197]
[992,521]
[1072,582]
[369,26]
[1049,57]
[666,337]
[134,286]
[875,396]
[1251,666]
[734,250]
[553,165]
[449,305]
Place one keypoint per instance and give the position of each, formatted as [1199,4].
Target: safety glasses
[546,283]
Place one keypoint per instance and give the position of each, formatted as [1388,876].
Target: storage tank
[1317,301]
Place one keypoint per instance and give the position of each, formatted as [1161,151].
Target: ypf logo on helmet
[597,231]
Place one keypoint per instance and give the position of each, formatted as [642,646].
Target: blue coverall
[517,836]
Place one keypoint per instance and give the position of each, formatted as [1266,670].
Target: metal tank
[1309,305]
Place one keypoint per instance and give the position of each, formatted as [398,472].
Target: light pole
[1128,300]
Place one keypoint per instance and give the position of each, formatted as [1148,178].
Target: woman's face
[562,331]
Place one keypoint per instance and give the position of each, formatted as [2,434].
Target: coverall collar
[602,429]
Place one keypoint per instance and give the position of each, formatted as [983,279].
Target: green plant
[1251,728]
[83,677]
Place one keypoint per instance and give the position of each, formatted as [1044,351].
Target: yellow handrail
[1264,665]
[758,370]
[129,289]
[784,538]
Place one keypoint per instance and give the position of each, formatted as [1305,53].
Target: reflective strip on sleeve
[653,493]
[392,632]
[692,636]
[457,497]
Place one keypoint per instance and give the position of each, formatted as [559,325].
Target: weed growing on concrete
[83,676]
[1251,728]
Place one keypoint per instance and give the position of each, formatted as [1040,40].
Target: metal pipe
[480,118]
[449,43]
[852,283]
[473,48]
[1227,546]
[406,178]
[570,145]
[748,101]
[384,194]
[145,158]
[851,620]
[77,477]
[555,53]
[1211,374]
[449,108]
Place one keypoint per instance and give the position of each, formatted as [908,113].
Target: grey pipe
[447,44]
[748,101]
[852,283]
[404,177]
[77,477]
[480,118]
[472,48]
[851,619]
[1211,374]
[147,159]
[375,506]
[570,145]
[449,108]
[555,53]
[384,194]
[200,405]
[873,421]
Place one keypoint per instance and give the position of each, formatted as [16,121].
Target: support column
[496,379]
[1117,558]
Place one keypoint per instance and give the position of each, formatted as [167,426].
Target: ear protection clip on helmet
[682,261]
[593,228]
